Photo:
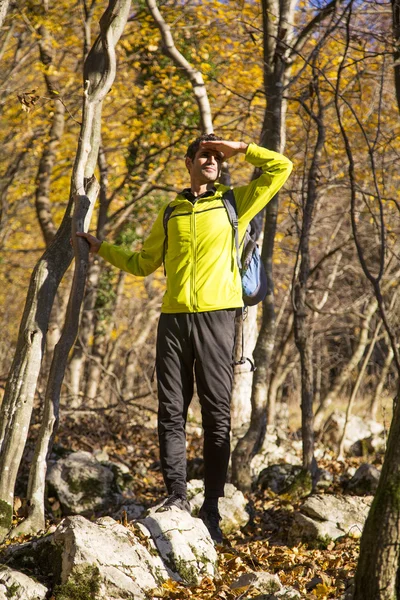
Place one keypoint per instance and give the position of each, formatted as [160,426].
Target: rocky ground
[276,539]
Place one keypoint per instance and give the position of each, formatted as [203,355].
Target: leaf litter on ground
[316,573]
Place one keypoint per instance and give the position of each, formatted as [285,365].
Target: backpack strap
[167,213]
[229,202]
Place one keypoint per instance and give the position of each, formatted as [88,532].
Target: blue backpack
[254,277]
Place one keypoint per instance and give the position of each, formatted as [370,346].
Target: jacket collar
[187,193]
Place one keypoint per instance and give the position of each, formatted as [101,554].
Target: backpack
[254,278]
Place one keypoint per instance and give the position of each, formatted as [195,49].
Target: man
[196,331]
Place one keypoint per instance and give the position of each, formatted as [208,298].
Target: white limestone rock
[82,483]
[269,585]
[111,555]
[184,544]
[259,580]
[357,429]
[327,517]
[232,506]
[19,586]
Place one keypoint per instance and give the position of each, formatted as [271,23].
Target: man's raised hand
[228,149]
[93,242]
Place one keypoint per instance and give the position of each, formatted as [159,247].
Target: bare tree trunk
[104,309]
[194,76]
[96,267]
[380,542]
[377,574]
[242,381]
[133,356]
[283,366]
[16,408]
[78,359]
[276,17]
[6,183]
[302,330]
[99,73]
[46,163]
[3,10]
[280,49]
[36,484]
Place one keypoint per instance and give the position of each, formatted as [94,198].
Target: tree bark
[380,542]
[7,181]
[81,349]
[377,574]
[382,380]
[280,49]
[46,163]
[283,366]
[37,476]
[242,381]
[396,52]
[302,329]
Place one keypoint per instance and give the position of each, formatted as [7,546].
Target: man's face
[205,167]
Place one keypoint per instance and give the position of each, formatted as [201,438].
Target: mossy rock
[301,487]
[6,513]
[84,583]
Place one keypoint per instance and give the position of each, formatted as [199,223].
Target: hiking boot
[211,519]
[177,500]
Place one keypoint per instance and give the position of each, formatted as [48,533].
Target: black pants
[199,344]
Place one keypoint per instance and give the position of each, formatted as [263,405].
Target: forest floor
[262,545]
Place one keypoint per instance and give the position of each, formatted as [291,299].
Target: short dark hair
[195,145]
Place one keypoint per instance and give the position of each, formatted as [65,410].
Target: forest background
[313,80]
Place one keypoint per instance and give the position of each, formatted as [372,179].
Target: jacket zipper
[194,261]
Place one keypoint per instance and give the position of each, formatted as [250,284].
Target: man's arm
[141,263]
[251,198]
[225,147]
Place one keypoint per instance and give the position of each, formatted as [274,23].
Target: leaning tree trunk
[99,74]
[81,349]
[16,408]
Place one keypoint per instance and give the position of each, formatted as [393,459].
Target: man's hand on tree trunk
[93,242]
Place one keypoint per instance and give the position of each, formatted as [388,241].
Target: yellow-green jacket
[200,259]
